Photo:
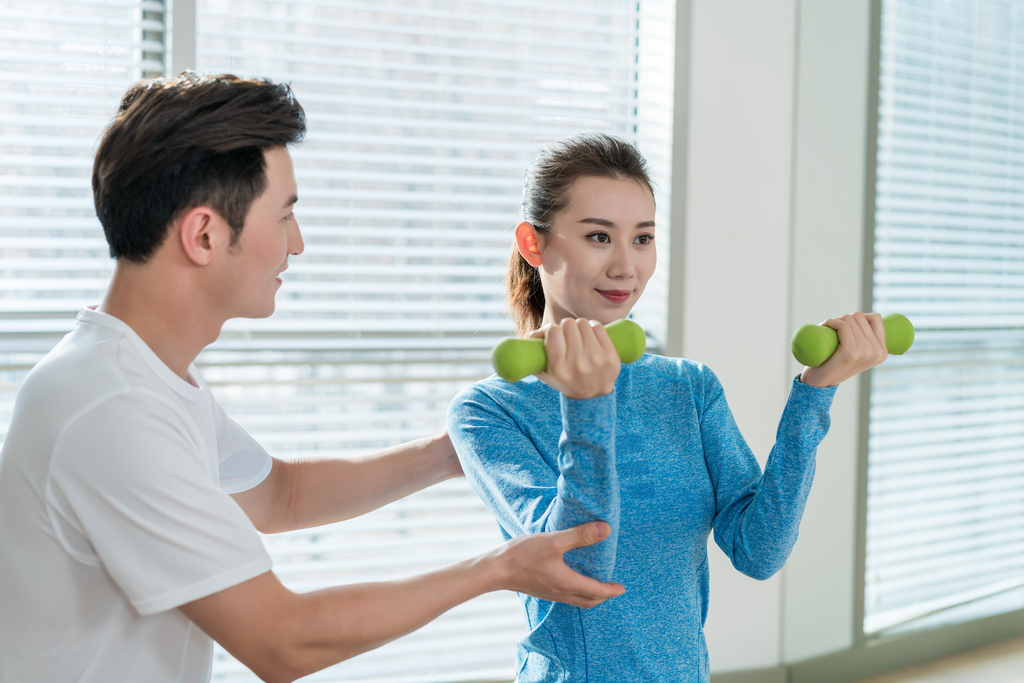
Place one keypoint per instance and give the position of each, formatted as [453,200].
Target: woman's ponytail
[525,294]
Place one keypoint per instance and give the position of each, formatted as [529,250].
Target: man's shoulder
[82,372]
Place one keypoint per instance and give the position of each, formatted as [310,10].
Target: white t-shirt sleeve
[129,489]
[244,463]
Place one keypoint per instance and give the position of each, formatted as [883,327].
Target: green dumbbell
[814,344]
[514,359]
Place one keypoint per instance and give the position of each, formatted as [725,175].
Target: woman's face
[599,254]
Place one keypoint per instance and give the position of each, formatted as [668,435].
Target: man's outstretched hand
[534,565]
[283,636]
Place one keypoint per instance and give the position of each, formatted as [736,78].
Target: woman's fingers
[604,340]
[582,361]
[861,347]
[878,330]
[554,346]
[540,332]
[575,352]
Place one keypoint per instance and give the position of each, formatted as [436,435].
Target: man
[129,502]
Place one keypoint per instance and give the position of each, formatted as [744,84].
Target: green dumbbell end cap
[899,334]
[513,359]
[629,339]
[812,345]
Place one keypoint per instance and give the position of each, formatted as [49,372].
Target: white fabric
[114,510]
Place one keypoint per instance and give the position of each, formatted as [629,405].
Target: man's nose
[296,244]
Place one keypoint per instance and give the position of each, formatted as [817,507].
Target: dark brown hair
[546,192]
[179,143]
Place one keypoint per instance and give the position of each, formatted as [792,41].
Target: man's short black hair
[179,143]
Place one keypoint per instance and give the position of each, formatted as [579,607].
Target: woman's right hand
[582,361]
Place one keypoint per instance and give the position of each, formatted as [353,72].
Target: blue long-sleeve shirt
[661,460]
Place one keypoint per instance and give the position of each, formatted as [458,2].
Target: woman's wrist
[596,393]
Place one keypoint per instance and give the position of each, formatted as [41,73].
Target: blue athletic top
[661,460]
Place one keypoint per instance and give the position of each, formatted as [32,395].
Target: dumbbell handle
[814,344]
[513,359]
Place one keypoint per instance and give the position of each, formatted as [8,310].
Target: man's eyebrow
[291,200]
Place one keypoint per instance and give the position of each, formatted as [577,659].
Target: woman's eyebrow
[609,224]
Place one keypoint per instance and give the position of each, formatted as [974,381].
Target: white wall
[774,191]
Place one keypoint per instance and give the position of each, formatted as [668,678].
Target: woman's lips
[618,296]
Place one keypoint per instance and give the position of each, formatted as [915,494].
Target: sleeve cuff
[817,397]
[204,587]
[588,414]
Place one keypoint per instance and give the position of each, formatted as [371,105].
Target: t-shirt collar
[191,390]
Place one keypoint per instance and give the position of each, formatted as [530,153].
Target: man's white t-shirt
[114,510]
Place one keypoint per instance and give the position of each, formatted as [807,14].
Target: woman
[651,448]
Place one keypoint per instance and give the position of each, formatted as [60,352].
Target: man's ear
[201,232]
[527,241]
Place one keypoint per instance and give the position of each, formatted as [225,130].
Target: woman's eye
[601,237]
[644,239]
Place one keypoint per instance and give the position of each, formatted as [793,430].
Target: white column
[828,280]
[774,196]
[181,36]
[737,255]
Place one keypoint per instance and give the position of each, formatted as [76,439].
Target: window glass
[945,525]
[63,69]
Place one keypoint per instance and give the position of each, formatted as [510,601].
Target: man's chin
[259,313]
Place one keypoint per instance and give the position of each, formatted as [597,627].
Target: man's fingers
[592,598]
[582,535]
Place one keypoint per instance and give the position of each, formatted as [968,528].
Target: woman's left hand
[861,347]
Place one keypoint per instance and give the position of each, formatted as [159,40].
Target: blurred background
[810,158]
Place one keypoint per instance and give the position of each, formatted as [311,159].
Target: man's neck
[162,308]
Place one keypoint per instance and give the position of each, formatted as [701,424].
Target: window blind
[63,68]
[423,117]
[945,525]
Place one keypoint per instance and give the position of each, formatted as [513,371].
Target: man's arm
[308,492]
[282,636]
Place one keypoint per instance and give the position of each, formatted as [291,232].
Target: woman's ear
[526,240]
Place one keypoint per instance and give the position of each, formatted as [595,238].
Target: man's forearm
[376,613]
[283,636]
[309,492]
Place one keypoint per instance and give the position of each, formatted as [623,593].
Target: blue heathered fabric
[662,461]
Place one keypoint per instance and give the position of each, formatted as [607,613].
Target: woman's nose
[621,264]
